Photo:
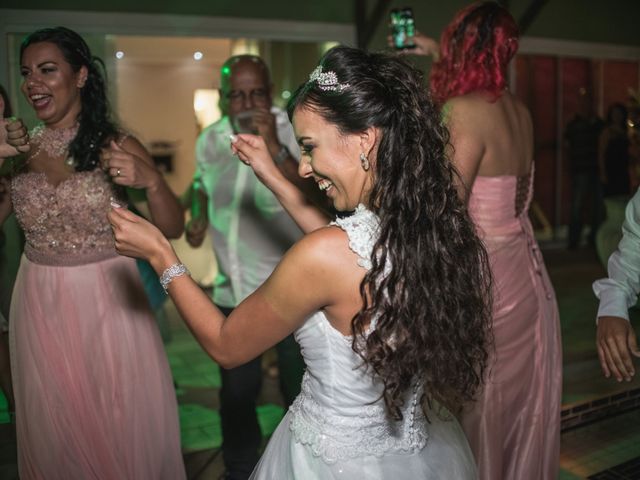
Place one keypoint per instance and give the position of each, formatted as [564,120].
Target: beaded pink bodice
[65,224]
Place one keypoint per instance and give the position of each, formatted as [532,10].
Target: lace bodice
[362,229]
[64,224]
[339,413]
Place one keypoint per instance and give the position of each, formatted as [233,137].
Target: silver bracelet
[175,270]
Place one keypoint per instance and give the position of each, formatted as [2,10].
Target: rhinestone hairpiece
[327,81]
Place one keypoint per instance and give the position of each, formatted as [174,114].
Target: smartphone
[402,28]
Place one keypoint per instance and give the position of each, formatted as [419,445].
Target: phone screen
[402,28]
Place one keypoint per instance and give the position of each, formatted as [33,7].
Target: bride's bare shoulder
[326,248]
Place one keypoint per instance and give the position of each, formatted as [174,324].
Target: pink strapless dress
[94,395]
[514,428]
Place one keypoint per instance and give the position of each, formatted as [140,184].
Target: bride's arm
[252,151]
[300,285]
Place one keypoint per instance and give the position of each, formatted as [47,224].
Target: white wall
[155,102]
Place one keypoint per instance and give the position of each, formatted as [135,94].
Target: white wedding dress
[337,428]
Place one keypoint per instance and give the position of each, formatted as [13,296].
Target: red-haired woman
[514,426]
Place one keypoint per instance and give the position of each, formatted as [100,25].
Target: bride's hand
[136,237]
[252,150]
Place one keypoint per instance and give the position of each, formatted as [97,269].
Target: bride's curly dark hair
[432,309]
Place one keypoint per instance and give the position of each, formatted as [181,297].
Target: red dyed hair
[475,50]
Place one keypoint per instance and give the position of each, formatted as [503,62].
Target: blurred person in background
[582,135]
[250,232]
[614,166]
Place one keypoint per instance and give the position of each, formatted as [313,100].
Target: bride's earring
[364,161]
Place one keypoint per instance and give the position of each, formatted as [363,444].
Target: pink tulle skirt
[94,395]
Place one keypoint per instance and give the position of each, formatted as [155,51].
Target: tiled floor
[591,449]
[601,446]
[586,451]
[627,470]
[198,379]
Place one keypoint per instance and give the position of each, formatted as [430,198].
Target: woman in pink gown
[94,396]
[514,427]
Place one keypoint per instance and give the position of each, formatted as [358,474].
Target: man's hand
[616,342]
[265,123]
[195,231]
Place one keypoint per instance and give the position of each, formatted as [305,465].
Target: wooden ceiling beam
[530,14]
[366,27]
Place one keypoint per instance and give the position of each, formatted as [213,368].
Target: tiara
[327,81]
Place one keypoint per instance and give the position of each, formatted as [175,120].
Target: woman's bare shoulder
[471,99]
[468,108]
[325,249]
[328,241]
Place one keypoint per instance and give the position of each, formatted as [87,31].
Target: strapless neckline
[500,198]
[503,176]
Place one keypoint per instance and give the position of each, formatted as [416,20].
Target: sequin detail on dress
[53,141]
[65,224]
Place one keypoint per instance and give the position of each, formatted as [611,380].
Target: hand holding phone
[402,28]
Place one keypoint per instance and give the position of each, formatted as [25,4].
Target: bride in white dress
[390,303]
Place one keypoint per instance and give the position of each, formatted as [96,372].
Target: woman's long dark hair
[8,111]
[433,309]
[95,125]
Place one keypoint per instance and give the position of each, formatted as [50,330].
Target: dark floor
[601,441]
[613,436]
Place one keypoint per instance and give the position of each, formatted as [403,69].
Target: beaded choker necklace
[53,141]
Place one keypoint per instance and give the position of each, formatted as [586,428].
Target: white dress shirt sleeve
[619,291]
[203,154]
